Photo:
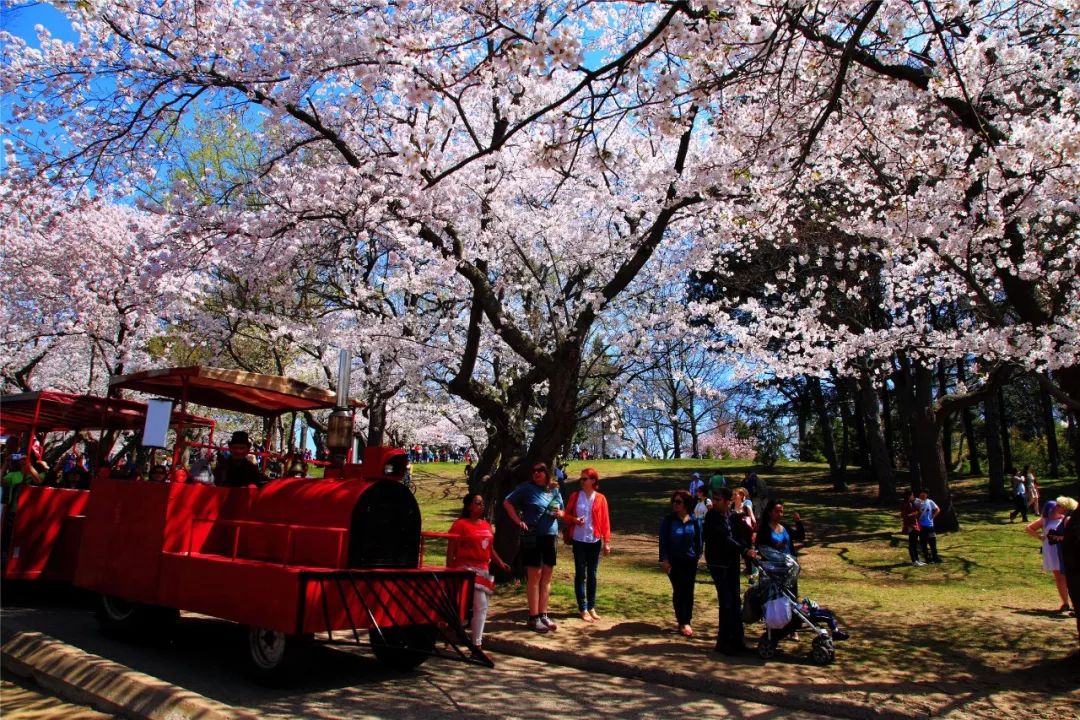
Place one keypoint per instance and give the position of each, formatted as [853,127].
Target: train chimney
[339,428]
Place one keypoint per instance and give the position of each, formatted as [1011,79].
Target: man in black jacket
[723,555]
[237,470]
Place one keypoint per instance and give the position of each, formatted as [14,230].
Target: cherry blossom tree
[85,284]
[550,164]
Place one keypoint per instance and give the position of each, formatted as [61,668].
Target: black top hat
[240,438]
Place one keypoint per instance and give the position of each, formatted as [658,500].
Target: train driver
[237,470]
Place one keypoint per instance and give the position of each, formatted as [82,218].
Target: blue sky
[21,19]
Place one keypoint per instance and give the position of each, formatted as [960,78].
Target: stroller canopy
[779,566]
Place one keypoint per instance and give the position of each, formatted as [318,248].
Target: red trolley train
[293,560]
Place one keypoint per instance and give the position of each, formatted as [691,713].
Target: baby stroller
[772,599]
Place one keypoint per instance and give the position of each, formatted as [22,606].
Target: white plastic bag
[778,613]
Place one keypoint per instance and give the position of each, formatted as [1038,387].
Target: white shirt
[583,509]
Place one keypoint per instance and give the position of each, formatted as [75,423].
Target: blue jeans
[586,561]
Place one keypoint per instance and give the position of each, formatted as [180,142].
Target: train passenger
[534,507]
[237,470]
[473,548]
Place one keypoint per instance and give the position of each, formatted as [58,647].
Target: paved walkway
[614,646]
[21,699]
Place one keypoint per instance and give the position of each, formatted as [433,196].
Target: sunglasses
[539,470]
[676,502]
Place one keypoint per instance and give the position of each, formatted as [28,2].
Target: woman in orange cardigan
[590,534]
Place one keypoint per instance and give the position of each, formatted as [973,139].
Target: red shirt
[474,542]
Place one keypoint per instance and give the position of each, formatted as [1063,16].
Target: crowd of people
[419,453]
[724,526]
[710,521]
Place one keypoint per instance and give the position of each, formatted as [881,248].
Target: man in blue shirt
[928,510]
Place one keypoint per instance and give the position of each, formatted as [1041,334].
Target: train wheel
[134,621]
[272,656]
[403,648]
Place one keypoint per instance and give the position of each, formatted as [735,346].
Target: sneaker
[547,622]
[935,560]
[537,625]
[918,563]
[840,635]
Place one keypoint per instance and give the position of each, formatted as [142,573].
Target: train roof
[237,390]
[51,411]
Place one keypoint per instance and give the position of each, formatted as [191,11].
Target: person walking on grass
[716,481]
[928,511]
[1031,487]
[695,483]
[680,550]
[1019,497]
[909,526]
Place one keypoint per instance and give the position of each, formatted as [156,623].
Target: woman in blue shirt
[535,507]
[778,536]
[680,548]
[775,534]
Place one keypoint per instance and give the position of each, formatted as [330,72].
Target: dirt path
[920,663]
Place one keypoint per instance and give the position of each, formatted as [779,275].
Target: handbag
[778,613]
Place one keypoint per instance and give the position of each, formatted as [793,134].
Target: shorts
[542,553]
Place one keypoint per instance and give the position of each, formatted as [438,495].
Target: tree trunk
[1003,419]
[802,416]
[825,426]
[866,462]
[902,381]
[926,437]
[887,424]
[968,418]
[1050,428]
[847,421]
[693,422]
[995,459]
[673,420]
[1073,433]
[880,464]
[376,419]
[946,421]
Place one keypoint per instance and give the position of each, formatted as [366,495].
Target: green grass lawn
[974,605]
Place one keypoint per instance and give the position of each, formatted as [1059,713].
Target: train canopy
[48,411]
[237,390]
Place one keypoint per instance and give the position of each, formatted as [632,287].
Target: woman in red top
[909,518]
[589,533]
[473,548]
